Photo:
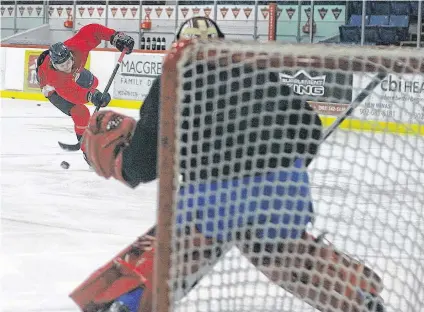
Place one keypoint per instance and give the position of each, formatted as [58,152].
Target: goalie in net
[266,221]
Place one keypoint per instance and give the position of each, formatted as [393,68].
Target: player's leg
[278,245]
[86,80]
[80,114]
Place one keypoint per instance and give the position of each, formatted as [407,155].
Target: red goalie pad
[328,277]
[131,268]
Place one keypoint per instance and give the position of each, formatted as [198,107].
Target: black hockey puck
[64,165]
[38,104]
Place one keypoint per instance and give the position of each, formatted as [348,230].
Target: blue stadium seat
[381,7]
[400,8]
[399,20]
[378,20]
[388,35]
[356,20]
[372,35]
[350,34]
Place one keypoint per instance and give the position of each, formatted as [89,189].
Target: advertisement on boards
[398,97]
[328,109]
[136,75]
[30,76]
[304,84]
[327,92]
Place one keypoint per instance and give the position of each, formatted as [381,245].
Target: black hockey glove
[122,41]
[98,98]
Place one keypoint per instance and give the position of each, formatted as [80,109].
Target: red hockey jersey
[88,37]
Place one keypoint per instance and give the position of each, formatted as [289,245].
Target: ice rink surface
[58,226]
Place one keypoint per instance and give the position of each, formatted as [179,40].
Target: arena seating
[386,22]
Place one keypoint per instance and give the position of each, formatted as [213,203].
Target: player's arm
[118,146]
[74,93]
[91,35]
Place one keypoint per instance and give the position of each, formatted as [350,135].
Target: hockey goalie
[258,201]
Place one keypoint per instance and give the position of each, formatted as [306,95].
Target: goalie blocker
[260,202]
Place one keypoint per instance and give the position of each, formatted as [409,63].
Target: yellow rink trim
[349,124]
[376,126]
[40,97]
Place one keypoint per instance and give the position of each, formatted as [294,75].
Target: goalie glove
[122,41]
[107,135]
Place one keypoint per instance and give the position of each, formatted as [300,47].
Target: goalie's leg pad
[317,273]
[119,281]
[343,266]
[131,269]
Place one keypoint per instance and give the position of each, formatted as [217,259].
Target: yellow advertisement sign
[30,76]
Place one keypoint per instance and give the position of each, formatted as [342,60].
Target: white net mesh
[251,190]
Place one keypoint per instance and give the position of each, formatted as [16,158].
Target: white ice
[58,225]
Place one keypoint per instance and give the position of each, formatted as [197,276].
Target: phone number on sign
[128,93]
[417,116]
[376,112]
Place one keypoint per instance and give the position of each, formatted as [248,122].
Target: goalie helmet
[199,27]
[59,53]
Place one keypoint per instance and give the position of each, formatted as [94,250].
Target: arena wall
[139,69]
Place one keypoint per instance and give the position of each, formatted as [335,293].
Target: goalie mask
[199,27]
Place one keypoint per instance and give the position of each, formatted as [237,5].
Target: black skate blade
[70,147]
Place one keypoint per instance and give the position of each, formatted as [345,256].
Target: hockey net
[224,112]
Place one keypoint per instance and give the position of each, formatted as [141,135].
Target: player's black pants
[85,80]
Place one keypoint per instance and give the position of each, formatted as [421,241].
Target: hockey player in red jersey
[66,83]
[118,146]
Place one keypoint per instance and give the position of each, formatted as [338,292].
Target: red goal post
[337,60]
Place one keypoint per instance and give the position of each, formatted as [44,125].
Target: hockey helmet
[59,53]
[199,27]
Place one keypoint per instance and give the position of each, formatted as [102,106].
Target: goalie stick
[77,146]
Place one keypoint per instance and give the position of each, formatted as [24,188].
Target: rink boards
[395,105]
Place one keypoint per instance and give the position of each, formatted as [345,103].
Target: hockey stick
[355,103]
[77,146]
